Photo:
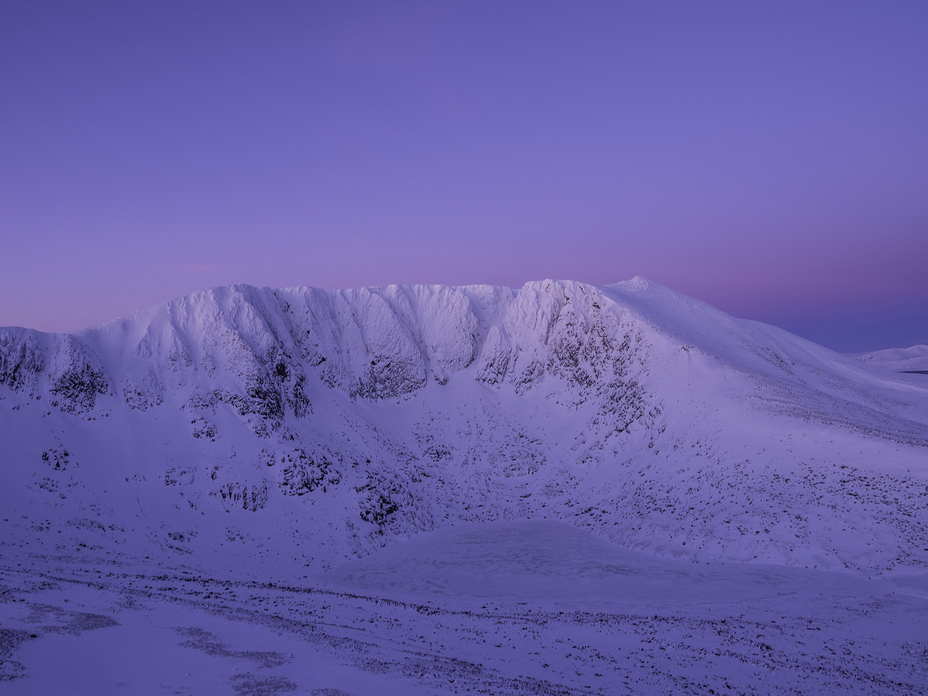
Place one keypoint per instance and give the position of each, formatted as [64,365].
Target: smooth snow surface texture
[550,559]
[914,359]
[306,460]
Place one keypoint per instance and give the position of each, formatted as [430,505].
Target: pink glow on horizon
[770,160]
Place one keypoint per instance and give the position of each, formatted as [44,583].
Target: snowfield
[565,489]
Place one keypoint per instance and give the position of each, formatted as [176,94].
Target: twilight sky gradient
[770,158]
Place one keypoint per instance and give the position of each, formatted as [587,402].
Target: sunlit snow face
[424,489]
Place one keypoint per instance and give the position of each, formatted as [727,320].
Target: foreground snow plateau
[561,489]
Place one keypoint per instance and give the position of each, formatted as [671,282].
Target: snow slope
[913,359]
[252,435]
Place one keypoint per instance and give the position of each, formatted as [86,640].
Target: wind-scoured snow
[368,448]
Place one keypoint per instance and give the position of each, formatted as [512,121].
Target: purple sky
[770,158]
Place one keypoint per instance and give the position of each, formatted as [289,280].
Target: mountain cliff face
[300,427]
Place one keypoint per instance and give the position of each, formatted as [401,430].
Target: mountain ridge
[330,422]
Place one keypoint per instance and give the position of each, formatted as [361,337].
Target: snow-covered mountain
[317,425]
[565,489]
